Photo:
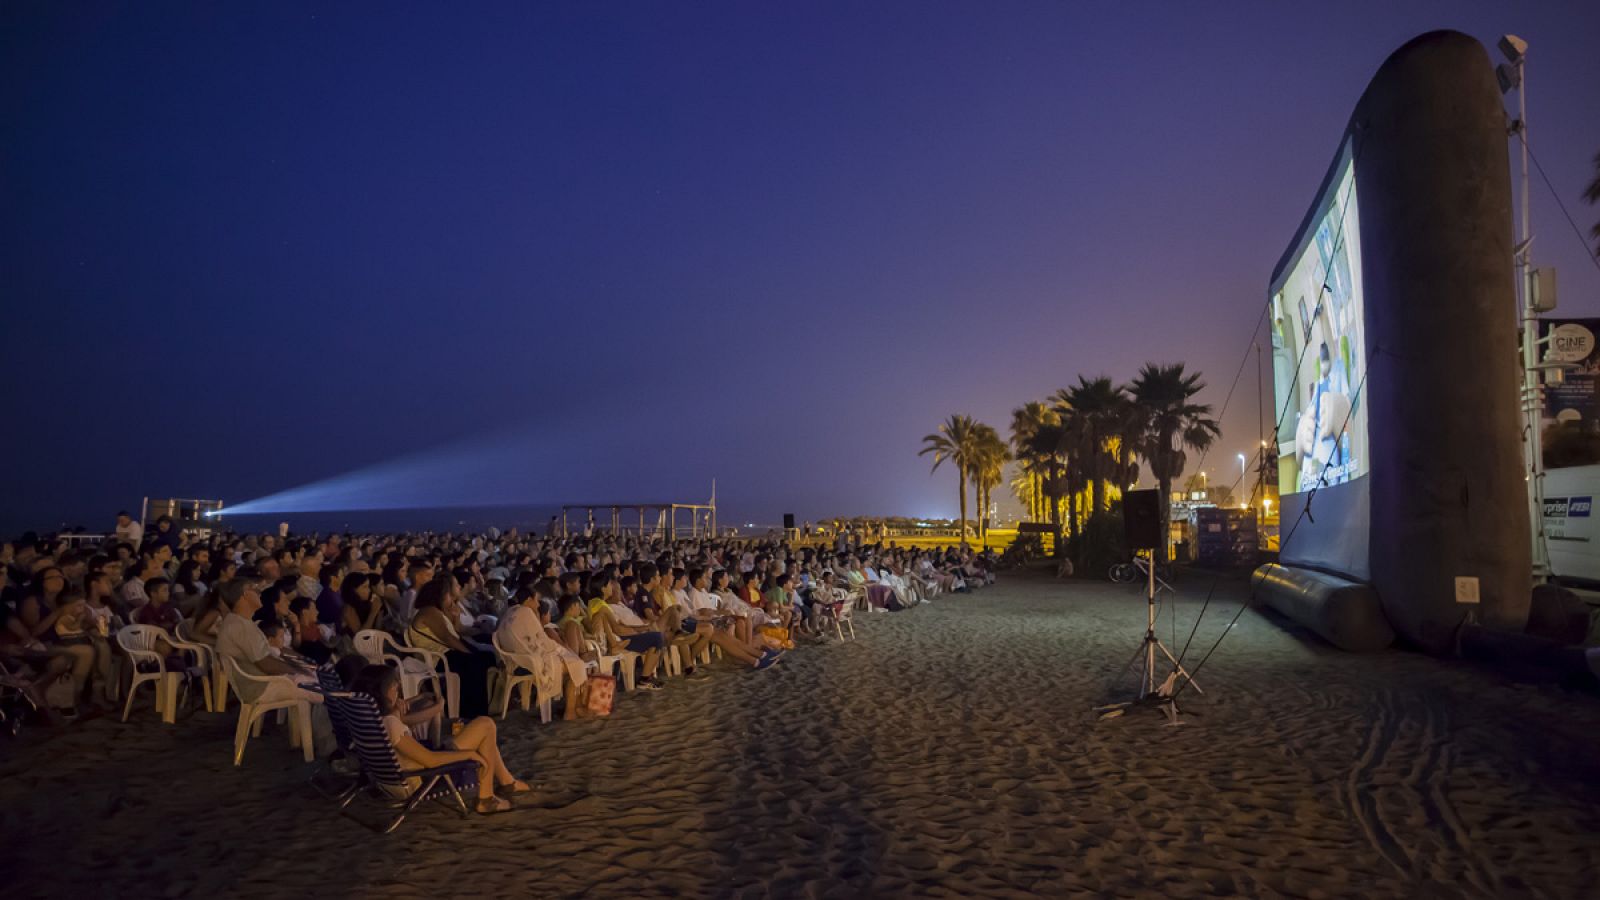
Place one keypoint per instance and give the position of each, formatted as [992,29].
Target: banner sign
[1576,399]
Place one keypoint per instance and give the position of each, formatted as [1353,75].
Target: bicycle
[1138,570]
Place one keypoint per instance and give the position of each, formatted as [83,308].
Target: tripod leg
[1181,670]
[1147,683]
[1131,660]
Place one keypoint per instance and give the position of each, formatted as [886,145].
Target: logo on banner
[1570,342]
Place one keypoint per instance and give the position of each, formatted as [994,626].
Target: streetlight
[1241,465]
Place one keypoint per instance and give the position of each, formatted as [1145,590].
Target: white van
[1571,530]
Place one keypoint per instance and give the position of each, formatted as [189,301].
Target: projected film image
[1318,356]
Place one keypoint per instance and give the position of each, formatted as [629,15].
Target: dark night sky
[616,250]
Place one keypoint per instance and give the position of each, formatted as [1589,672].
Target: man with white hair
[239,639]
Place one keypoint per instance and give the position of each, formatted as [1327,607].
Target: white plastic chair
[621,662]
[212,680]
[510,679]
[439,668]
[250,713]
[139,642]
[380,649]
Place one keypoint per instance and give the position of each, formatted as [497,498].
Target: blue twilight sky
[542,252]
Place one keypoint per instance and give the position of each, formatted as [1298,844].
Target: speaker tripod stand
[1163,694]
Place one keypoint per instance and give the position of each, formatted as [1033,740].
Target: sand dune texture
[951,751]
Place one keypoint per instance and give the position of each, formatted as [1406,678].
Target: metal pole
[1261,425]
[1149,685]
[1532,391]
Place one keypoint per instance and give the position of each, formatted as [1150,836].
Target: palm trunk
[983,514]
[977,499]
[1166,516]
[962,484]
[1054,501]
[1071,510]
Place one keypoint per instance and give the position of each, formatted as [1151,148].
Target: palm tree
[1049,447]
[1025,487]
[988,468]
[1096,406]
[1027,421]
[1591,195]
[957,441]
[1175,422]
[1130,423]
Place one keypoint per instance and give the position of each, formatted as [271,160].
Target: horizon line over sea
[526,518]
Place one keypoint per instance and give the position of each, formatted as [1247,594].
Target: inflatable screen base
[1345,613]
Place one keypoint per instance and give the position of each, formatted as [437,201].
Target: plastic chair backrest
[368,740]
[139,641]
[372,644]
[433,659]
[499,648]
[238,675]
[516,658]
[231,666]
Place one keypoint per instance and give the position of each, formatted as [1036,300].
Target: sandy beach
[950,751]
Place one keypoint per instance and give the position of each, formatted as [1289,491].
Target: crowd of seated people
[279,607]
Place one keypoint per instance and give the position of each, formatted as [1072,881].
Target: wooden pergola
[663,518]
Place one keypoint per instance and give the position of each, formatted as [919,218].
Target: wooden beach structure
[644,519]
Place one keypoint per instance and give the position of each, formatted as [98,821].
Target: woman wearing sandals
[477,742]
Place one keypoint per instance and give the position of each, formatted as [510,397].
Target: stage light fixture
[1513,48]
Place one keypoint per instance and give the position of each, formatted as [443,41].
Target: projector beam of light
[488,471]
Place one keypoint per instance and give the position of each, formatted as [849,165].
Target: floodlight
[1509,76]
[1513,48]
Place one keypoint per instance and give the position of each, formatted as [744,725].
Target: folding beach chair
[381,776]
[328,681]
